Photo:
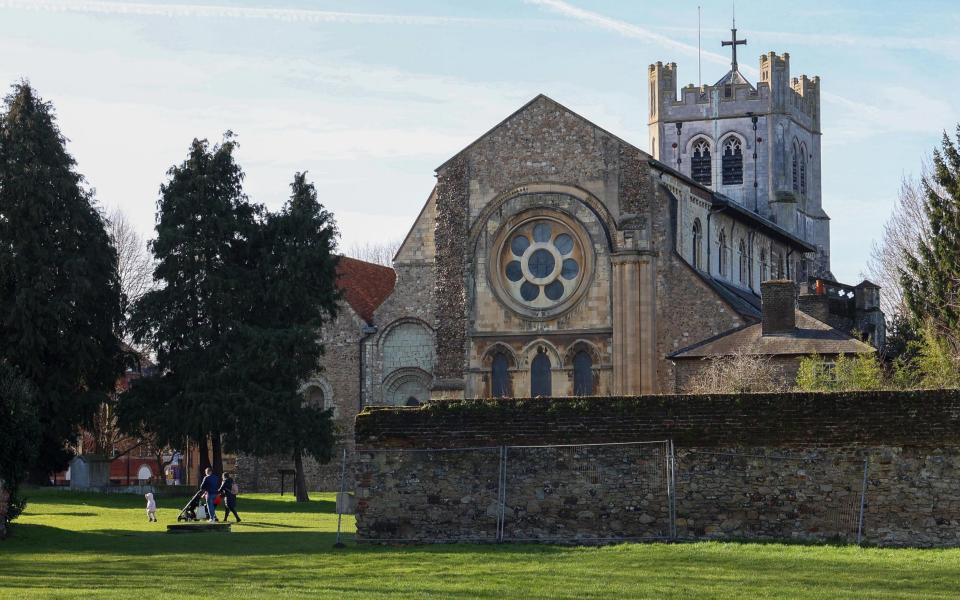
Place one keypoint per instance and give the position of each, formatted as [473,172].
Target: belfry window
[540,375]
[732,161]
[700,165]
[697,243]
[582,374]
[499,377]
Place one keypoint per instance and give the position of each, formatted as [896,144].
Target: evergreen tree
[931,280]
[60,298]
[280,345]
[21,426]
[205,226]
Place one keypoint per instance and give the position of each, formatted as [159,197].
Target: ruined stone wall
[449,297]
[791,466]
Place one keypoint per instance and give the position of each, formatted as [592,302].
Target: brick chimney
[778,298]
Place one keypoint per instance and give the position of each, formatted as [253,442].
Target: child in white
[151,507]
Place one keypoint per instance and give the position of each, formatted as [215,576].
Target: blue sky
[370,97]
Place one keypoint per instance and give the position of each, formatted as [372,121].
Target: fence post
[672,490]
[863,499]
[501,492]
[343,485]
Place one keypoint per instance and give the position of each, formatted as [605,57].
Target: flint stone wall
[788,467]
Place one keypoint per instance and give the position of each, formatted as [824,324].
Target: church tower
[759,146]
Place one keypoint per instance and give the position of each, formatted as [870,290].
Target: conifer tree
[60,298]
[204,229]
[21,426]
[931,280]
[297,294]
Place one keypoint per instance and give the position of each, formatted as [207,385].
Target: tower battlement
[771,129]
[775,92]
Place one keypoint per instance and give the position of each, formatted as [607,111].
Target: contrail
[229,12]
[633,31]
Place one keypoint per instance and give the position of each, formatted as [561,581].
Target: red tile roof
[364,285]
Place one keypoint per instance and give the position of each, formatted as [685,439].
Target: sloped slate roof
[364,285]
[734,77]
[809,337]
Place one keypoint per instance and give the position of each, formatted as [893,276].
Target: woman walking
[228,489]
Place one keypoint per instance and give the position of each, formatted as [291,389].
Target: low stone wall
[883,468]
[255,474]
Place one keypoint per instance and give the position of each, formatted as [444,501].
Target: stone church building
[553,258]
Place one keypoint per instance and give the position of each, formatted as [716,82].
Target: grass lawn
[71,545]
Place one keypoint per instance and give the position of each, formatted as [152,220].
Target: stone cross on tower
[734,42]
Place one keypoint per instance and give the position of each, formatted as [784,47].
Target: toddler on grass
[151,507]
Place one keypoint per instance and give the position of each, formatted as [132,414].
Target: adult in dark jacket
[229,498]
[211,485]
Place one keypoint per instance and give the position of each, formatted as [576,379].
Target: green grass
[71,545]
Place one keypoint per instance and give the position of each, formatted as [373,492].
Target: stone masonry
[761,466]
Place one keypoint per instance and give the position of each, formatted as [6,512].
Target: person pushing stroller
[210,486]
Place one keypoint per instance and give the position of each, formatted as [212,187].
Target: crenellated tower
[758,145]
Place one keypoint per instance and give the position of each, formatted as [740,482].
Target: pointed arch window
[795,169]
[540,376]
[803,171]
[732,164]
[582,374]
[763,265]
[499,376]
[701,167]
[697,243]
[744,262]
[722,262]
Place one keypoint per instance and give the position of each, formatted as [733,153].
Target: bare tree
[902,232]
[381,253]
[738,373]
[134,262]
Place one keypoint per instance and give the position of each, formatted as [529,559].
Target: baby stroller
[189,512]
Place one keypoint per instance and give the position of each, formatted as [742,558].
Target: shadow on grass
[50,496]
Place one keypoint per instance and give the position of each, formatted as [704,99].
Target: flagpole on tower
[699,59]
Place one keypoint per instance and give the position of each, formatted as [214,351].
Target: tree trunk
[204,461]
[37,476]
[217,453]
[300,479]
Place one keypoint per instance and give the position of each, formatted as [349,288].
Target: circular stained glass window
[570,269]
[519,245]
[541,263]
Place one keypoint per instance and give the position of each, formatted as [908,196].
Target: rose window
[541,263]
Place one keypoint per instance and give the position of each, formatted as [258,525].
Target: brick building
[553,258]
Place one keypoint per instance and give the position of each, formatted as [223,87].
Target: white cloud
[230,12]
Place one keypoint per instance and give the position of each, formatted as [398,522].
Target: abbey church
[553,258]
